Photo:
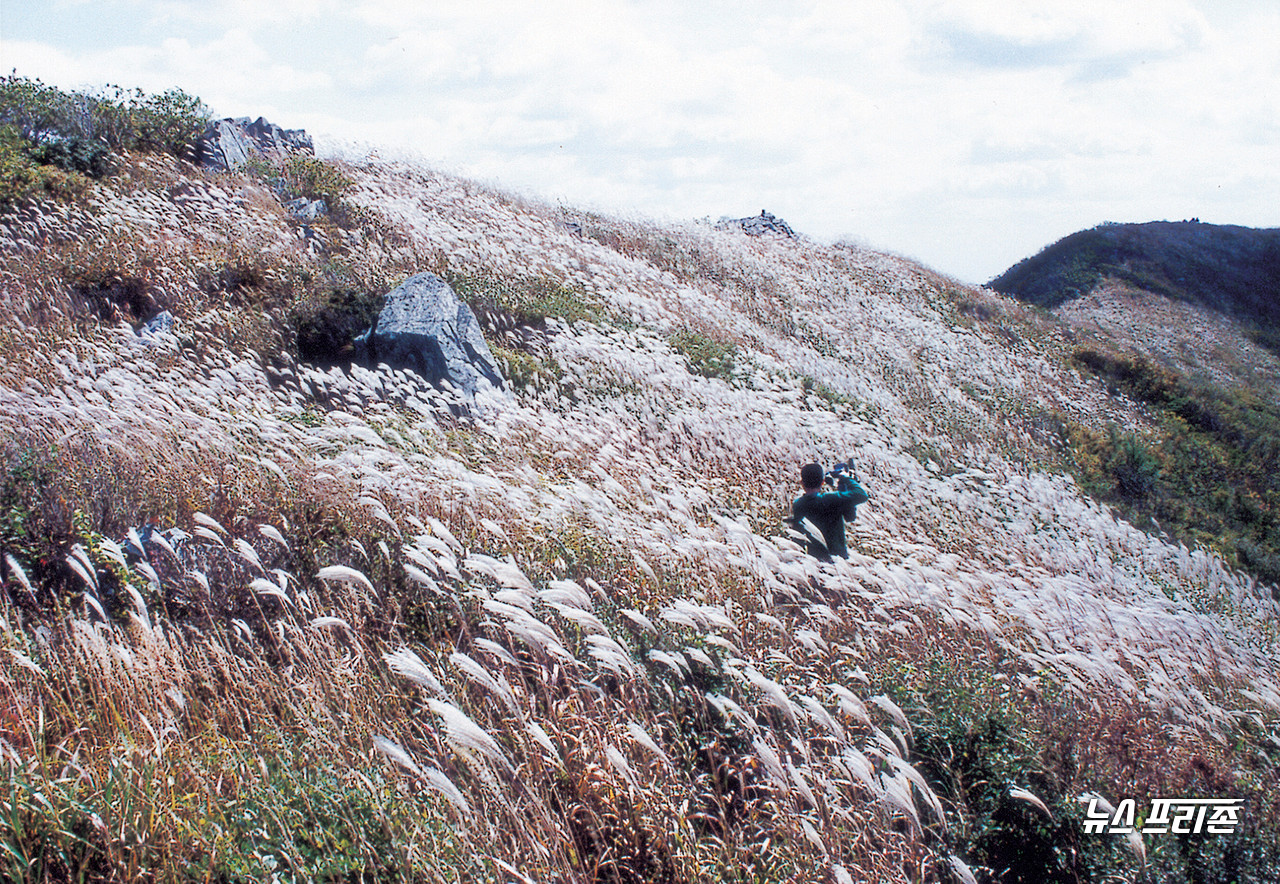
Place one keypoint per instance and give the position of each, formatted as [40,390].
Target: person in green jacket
[821,515]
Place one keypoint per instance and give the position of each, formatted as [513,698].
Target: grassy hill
[1229,269]
[567,637]
[1182,318]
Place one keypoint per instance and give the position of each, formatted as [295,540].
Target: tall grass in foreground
[567,638]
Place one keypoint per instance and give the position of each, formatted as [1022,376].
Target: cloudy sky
[964,133]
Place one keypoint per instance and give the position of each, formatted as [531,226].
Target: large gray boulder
[229,144]
[426,328]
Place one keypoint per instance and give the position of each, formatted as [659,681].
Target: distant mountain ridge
[1230,269]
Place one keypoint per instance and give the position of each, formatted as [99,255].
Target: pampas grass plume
[464,734]
[408,664]
[344,574]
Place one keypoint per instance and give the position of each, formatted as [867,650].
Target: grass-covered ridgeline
[268,614]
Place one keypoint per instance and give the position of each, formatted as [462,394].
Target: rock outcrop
[162,323]
[426,328]
[306,210]
[230,143]
[758,225]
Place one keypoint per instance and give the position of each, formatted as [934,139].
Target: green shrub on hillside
[37,110]
[23,176]
[707,356]
[301,176]
[1208,477]
[27,482]
[328,320]
[974,741]
[315,179]
[528,301]
[91,158]
[220,812]
[834,399]
[121,119]
[45,131]
[525,371]
[169,122]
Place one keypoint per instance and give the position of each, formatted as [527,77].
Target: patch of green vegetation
[23,176]
[707,356]
[1264,336]
[981,311]
[929,456]
[74,155]
[973,743]
[310,417]
[310,820]
[332,304]
[301,176]
[1208,477]
[315,179]
[525,301]
[48,833]
[525,371]
[52,141]
[112,574]
[834,398]
[26,473]
[976,737]
[29,500]
[277,813]
[1080,276]
[329,316]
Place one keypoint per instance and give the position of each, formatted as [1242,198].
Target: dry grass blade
[26,662]
[640,736]
[961,870]
[19,574]
[209,522]
[345,574]
[893,711]
[408,664]
[478,674]
[1034,800]
[466,736]
[396,753]
[265,587]
[437,780]
[271,533]
[330,623]
[247,553]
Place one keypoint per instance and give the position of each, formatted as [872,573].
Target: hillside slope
[568,638]
[1183,318]
[1233,270]
[1202,298]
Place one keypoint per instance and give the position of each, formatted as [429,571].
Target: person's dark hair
[811,476]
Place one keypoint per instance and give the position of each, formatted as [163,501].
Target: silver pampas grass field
[566,636]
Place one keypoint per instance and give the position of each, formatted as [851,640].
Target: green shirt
[828,511]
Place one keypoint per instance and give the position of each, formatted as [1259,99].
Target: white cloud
[218,14]
[1091,29]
